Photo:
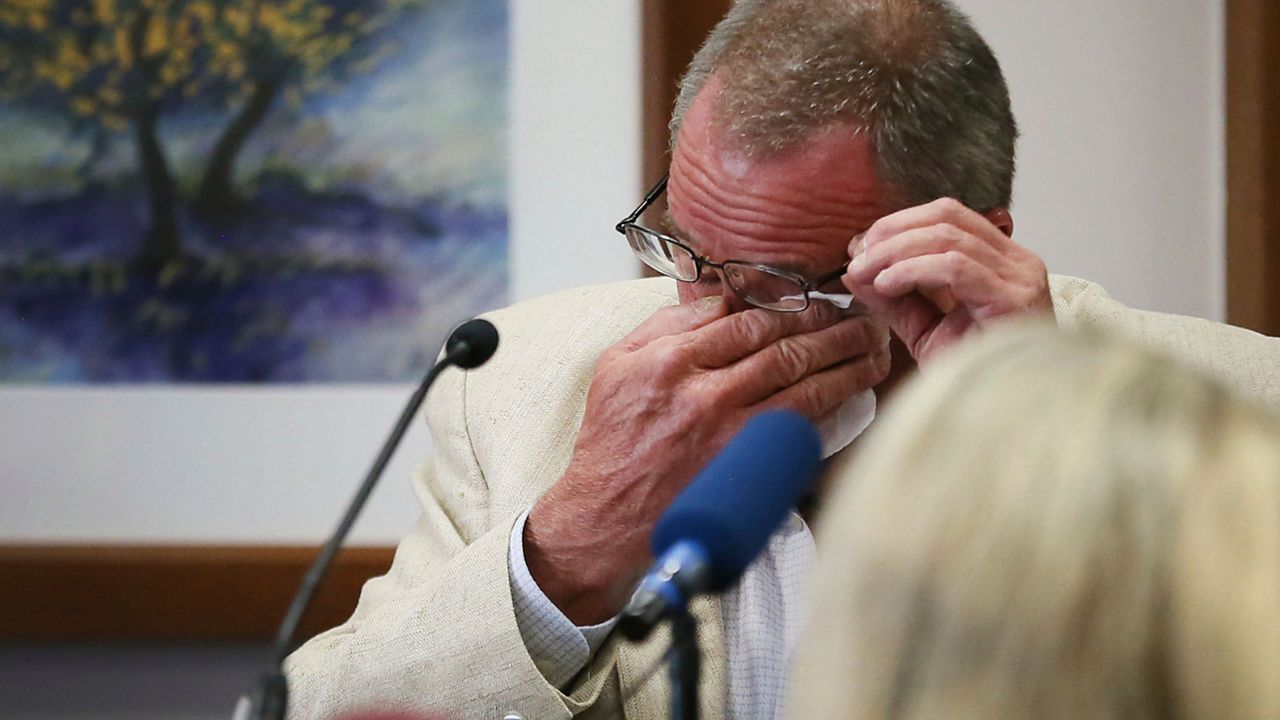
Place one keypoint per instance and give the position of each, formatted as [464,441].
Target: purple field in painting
[298,286]
[248,192]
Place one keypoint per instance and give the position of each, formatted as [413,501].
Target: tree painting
[203,197]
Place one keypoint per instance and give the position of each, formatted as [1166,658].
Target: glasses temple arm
[649,199]
[833,275]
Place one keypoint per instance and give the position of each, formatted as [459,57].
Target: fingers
[971,282]
[791,359]
[674,320]
[918,242]
[945,211]
[730,339]
[822,392]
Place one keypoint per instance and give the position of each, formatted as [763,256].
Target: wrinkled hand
[663,401]
[937,271]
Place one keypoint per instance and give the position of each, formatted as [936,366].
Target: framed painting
[152,471]
[247,191]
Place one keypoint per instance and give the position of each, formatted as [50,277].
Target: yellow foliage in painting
[156,38]
[140,52]
[58,76]
[105,11]
[70,57]
[270,18]
[83,106]
[238,20]
[202,11]
[33,14]
[38,21]
[124,53]
[170,74]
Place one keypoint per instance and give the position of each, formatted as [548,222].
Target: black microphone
[470,345]
[723,519]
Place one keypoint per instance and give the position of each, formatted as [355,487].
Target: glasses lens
[765,289]
[661,255]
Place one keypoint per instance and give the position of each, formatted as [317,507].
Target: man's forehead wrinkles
[790,215]
[800,207]
[780,247]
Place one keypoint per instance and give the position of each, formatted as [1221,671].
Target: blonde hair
[1052,526]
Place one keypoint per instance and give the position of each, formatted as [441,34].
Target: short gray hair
[912,74]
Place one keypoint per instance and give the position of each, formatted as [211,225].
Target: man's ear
[1001,218]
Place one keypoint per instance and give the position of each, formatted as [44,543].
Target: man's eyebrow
[673,228]
[670,224]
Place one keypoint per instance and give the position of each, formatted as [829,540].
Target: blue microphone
[721,522]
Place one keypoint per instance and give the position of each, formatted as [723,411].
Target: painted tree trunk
[217,193]
[161,244]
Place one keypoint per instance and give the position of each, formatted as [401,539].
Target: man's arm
[1243,360]
[438,632]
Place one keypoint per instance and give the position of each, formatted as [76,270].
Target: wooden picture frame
[1253,165]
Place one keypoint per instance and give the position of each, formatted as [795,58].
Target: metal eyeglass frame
[699,261]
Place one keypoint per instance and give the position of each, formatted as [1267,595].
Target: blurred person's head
[1052,526]
[801,122]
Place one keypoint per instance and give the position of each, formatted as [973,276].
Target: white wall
[1121,181]
[1122,160]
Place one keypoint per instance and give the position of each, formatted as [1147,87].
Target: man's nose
[712,283]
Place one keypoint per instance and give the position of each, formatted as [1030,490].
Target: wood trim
[179,593]
[1253,164]
[671,31]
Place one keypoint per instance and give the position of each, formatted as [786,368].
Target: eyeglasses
[759,285]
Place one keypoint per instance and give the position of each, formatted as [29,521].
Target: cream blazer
[438,633]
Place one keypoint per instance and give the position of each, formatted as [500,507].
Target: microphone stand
[468,346]
[272,697]
[685,667]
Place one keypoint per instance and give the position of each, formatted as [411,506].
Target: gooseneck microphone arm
[470,345]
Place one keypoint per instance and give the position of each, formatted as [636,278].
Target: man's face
[796,211]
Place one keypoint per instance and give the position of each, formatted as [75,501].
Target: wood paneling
[672,31]
[170,593]
[1253,164]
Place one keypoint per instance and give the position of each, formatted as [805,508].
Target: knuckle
[858,333]
[790,360]
[754,326]
[818,316]
[955,261]
[953,234]
[667,317]
[949,206]
[876,335]
[812,399]
[882,363]
[705,394]
[883,228]
[667,356]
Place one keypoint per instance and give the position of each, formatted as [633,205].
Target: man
[807,133]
